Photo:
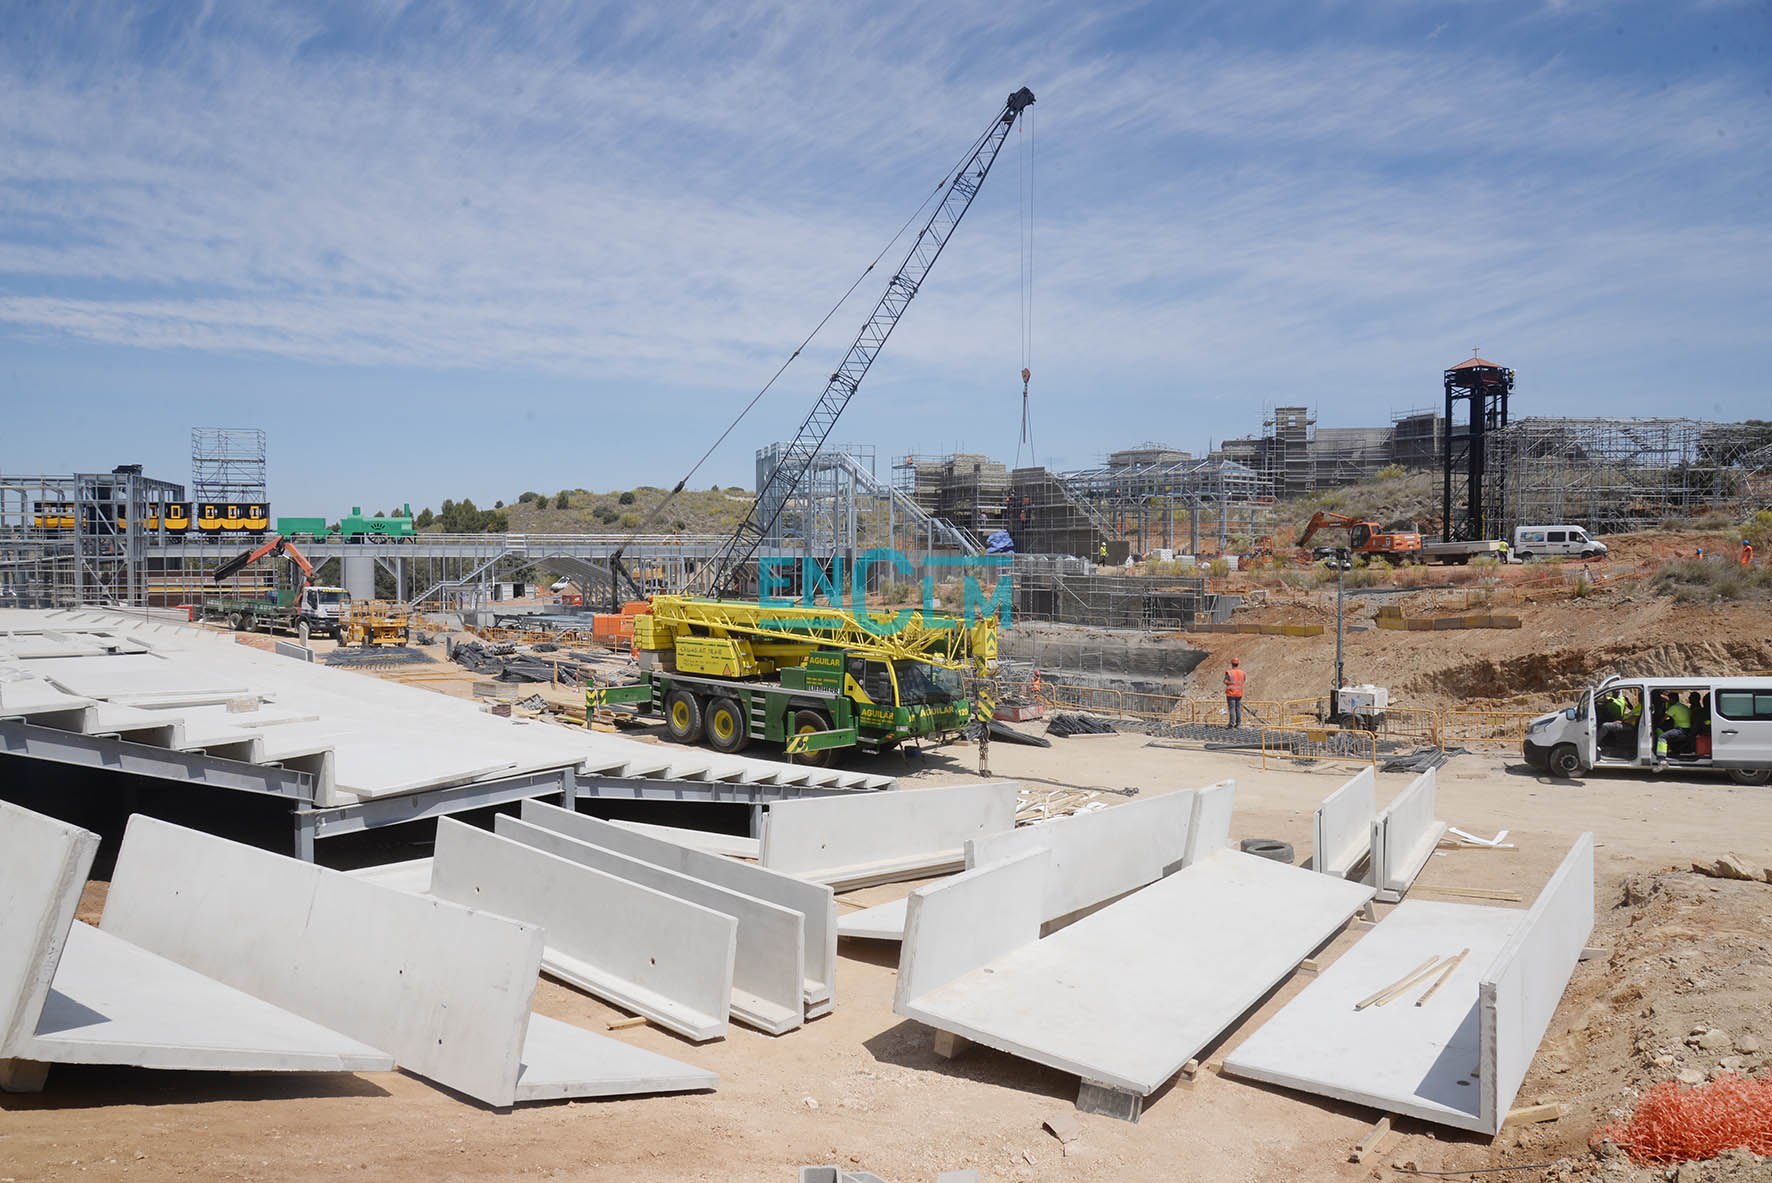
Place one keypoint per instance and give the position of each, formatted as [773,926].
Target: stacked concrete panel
[1341,828]
[1455,1055]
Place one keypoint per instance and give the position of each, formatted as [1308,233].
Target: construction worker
[1676,729]
[1619,714]
[1101,554]
[1747,553]
[1233,694]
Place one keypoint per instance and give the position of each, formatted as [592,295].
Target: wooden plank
[1444,974]
[1402,981]
[624,1023]
[1532,1114]
[1475,893]
[1378,1133]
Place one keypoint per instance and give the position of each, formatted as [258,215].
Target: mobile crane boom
[712,577]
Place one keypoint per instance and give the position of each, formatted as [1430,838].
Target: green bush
[1704,580]
[1219,567]
[1485,561]
[562,501]
[526,498]
[626,499]
[630,521]
[1390,472]
[604,514]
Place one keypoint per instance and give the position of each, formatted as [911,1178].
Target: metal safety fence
[1318,743]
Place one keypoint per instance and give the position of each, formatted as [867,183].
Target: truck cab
[1706,723]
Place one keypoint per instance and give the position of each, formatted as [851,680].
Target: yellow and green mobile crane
[811,678]
[818,679]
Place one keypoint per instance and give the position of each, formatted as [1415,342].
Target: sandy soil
[863,1088]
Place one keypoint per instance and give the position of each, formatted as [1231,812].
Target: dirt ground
[862,1088]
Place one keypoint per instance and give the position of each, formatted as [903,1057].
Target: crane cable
[665,501]
[1025,245]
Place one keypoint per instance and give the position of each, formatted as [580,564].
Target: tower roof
[1476,363]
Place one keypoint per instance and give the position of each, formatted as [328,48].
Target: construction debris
[1067,724]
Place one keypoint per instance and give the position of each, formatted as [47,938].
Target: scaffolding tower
[1469,511]
[228,465]
[1610,475]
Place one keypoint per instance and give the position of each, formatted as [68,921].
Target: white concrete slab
[731,845]
[814,901]
[1341,829]
[1521,988]
[413,875]
[882,922]
[1126,996]
[43,866]
[443,988]
[113,1003]
[769,963]
[643,950]
[1404,836]
[1459,1058]
[1398,1058]
[1210,830]
[869,838]
[561,1061]
[1097,856]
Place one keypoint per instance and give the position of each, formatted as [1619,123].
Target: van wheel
[1522,555]
[683,721]
[1565,761]
[1750,776]
[805,721]
[727,728]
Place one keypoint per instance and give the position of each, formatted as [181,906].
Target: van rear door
[1741,727]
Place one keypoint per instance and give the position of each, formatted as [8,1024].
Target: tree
[497,521]
[380,514]
[498,505]
[425,518]
[604,514]
[526,498]
[626,499]
[562,501]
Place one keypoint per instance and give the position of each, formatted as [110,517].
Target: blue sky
[470,249]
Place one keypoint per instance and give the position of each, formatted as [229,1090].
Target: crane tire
[728,730]
[805,721]
[683,716]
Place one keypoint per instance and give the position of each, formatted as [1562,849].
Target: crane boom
[712,577]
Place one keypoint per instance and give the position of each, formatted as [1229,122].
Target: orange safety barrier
[1318,743]
[1473,727]
[1673,1123]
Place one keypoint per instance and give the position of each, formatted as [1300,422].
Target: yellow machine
[375,622]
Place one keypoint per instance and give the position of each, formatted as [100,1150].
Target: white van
[1731,728]
[1548,541]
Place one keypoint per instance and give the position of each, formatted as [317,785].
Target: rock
[1730,1063]
[1691,1076]
[1730,866]
[1715,1040]
[1747,1044]
[1663,1061]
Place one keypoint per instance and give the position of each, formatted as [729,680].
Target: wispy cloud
[667,195]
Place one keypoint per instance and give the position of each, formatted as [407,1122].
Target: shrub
[498,505]
[1390,472]
[562,501]
[604,514]
[1698,580]
[1485,561]
[526,498]
[626,499]
[630,521]
[1219,567]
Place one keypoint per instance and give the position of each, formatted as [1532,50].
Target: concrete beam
[874,838]
[43,867]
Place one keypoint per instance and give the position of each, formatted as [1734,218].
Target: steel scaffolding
[1226,499]
[1622,474]
[228,465]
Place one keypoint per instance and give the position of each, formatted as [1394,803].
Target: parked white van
[1547,541]
[1626,723]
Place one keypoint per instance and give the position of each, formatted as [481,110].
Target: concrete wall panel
[1404,837]
[816,901]
[641,949]
[443,989]
[878,837]
[1210,830]
[768,970]
[43,866]
[1097,856]
[1341,830]
[970,920]
[1523,985]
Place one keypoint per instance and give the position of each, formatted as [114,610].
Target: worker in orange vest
[1747,553]
[1233,693]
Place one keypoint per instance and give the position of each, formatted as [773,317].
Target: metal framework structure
[1469,510]
[1623,474]
[843,506]
[1231,499]
[1053,589]
[81,539]
[815,429]
[228,464]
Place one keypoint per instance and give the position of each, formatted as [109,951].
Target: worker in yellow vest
[1233,693]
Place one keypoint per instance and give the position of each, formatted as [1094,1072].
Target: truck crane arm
[277,545]
[713,576]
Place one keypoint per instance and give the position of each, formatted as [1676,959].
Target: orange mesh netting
[1673,1123]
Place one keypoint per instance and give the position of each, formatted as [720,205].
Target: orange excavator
[1365,538]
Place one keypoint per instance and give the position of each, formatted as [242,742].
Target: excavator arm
[1323,518]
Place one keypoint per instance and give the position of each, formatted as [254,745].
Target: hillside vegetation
[581,511]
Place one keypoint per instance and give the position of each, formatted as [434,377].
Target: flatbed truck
[1463,552]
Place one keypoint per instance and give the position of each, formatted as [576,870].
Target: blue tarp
[999,543]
